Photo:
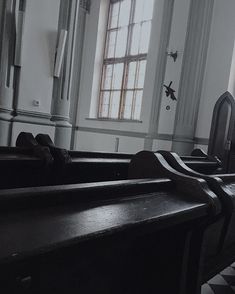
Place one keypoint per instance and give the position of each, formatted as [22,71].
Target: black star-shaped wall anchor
[170,92]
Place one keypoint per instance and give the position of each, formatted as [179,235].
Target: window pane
[111,40]
[107,78]
[145,36]
[128,105]
[114,11]
[131,75]
[148,10]
[117,76]
[124,16]
[121,42]
[138,101]
[139,8]
[125,58]
[135,39]
[115,104]
[141,75]
[105,104]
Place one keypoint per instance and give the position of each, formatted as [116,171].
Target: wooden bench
[222,133]
[219,242]
[112,237]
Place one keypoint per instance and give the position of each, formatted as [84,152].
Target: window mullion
[126,61]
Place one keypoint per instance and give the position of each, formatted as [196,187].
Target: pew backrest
[222,134]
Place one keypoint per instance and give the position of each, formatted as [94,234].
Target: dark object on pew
[61,156]
[145,233]
[27,140]
[223,185]
[222,133]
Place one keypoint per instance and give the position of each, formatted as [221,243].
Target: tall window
[126,48]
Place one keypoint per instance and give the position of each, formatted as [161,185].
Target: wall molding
[6,114]
[163,137]
[32,117]
[111,132]
[201,141]
[61,121]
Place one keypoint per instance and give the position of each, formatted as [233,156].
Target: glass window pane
[105,104]
[123,82]
[135,41]
[117,76]
[114,11]
[138,102]
[128,105]
[124,15]
[145,36]
[139,8]
[111,40]
[121,42]
[107,78]
[148,10]
[114,107]
[131,75]
[141,74]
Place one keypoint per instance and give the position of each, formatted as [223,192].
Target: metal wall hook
[174,55]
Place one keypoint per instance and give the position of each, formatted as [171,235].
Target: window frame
[126,60]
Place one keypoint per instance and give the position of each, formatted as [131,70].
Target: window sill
[115,120]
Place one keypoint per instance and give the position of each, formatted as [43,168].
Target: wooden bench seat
[110,237]
[219,243]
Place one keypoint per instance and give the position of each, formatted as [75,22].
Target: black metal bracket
[174,55]
[169,91]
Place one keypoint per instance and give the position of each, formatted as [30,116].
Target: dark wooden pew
[219,247]
[37,162]
[222,133]
[112,237]
[198,163]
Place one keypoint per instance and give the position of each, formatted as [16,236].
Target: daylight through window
[126,48]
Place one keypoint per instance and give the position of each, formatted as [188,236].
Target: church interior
[117,135]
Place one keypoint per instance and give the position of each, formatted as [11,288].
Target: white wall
[36,72]
[162,145]
[219,60]
[104,142]
[173,69]
[39,44]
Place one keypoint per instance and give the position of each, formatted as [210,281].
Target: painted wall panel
[39,44]
[173,69]
[162,145]
[108,143]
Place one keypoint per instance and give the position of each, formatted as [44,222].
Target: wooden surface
[31,231]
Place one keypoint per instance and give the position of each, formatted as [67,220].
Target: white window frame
[91,73]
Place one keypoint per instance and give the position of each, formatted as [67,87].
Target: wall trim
[32,117]
[163,137]
[166,137]
[111,132]
[201,141]
[6,114]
